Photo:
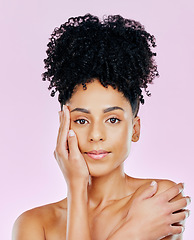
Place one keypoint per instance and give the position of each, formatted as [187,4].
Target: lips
[97,152]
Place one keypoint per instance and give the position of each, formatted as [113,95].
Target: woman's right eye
[80,121]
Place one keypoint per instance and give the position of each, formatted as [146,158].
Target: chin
[96,170]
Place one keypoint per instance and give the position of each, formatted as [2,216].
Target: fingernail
[183,229]
[189,212]
[71,133]
[181,188]
[153,183]
[188,200]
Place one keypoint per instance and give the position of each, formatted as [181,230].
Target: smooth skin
[103,203]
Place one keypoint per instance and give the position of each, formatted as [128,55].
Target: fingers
[149,191]
[63,131]
[176,230]
[180,204]
[65,122]
[60,126]
[73,144]
[172,192]
[181,216]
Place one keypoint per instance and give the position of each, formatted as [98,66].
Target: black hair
[116,51]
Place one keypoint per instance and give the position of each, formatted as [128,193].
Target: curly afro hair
[116,51]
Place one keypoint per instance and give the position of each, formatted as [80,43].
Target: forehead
[97,95]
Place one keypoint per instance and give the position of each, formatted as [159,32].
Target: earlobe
[135,138]
[136,129]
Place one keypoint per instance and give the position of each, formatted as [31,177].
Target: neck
[110,187]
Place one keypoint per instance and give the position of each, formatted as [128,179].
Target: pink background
[30,176]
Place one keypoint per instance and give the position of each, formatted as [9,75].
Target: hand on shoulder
[165,184]
[151,203]
[163,187]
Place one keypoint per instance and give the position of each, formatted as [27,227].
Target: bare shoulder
[163,185]
[28,225]
[32,223]
[166,184]
[140,184]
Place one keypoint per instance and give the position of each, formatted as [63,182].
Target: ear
[136,129]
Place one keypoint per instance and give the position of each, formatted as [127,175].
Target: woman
[99,69]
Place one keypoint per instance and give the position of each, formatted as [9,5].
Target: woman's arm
[29,226]
[77,213]
[76,174]
[150,217]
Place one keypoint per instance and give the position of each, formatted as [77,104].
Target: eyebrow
[84,110]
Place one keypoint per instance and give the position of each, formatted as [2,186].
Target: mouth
[97,156]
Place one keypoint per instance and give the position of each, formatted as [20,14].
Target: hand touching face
[67,153]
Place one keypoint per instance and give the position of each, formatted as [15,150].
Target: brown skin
[107,206]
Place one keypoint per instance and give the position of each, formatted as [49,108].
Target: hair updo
[116,51]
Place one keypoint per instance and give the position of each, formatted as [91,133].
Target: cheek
[123,141]
[123,133]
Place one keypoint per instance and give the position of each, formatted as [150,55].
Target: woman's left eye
[113,120]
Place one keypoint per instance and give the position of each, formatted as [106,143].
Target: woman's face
[98,127]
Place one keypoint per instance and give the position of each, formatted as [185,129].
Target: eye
[113,120]
[80,121]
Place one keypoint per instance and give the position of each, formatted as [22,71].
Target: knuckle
[168,222]
[165,210]
[74,158]
[58,151]
[163,198]
[169,209]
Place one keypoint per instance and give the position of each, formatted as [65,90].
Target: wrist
[78,184]
[78,190]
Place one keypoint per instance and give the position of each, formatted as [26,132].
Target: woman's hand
[151,217]
[68,155]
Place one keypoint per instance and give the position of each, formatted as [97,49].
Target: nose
[96,133]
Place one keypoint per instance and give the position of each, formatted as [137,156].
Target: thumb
[72,142]
[150,191]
